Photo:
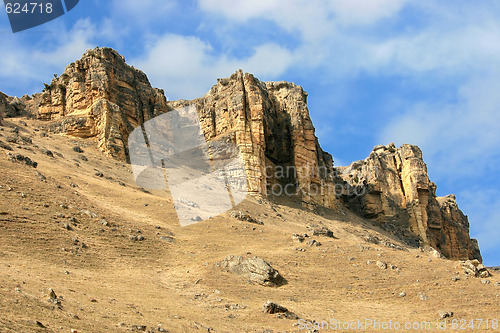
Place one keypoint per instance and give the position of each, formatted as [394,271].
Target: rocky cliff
[393,188]
[270,123]
[101,97]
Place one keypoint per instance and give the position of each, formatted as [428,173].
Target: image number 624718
[27,14]
[27,8]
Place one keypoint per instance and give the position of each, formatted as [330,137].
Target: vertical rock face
[270,123]
[396,192]
[3,106]
[99,96]
[10,106]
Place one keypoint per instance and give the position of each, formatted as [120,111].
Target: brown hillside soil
[107,282]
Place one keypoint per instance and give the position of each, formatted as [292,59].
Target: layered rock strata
[99,96]
[394,190]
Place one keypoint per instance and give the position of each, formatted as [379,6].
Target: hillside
[117,259]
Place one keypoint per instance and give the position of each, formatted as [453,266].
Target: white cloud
[363,12]
[27,63]
[305,15]
[186,67]
[143,11]
[457,137]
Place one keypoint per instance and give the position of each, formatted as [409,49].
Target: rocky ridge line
[101,97]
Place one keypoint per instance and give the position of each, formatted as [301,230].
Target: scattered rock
[423,297]
[245,217]
[167,239]
[381,264]
[313,242]
[255,270]
[138,328]
[136,238]
[104,222]
[402,294]
[5,146]
[323,231]
[78,149]
[90,214]
[21,158]
[475,268]
[445,314]
[41,177]
[53,297]
[299,238]
[271,308]
[47,152]
[485,281]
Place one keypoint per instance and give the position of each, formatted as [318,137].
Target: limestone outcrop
[270,123]
[9,106]
[99,96]
[393,188]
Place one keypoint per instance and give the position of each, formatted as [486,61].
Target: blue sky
[377,71]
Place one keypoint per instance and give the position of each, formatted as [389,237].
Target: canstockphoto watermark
[320,181]
[204,178]
[320,188]
[371,325]
[27,14]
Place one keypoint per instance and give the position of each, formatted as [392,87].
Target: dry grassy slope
[116,280]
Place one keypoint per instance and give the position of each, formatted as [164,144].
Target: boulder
[255,270]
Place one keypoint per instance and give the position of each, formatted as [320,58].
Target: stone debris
[167,239]
[47,152]
[245,217]
[381,264]
[323,231]
[280,311]
[41,177]
[299,238]
[313,242]
[271,308]
[445,314]
[255,270]
[475,268]
[90,213]
[5,146]
[23,159]
[136,238]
